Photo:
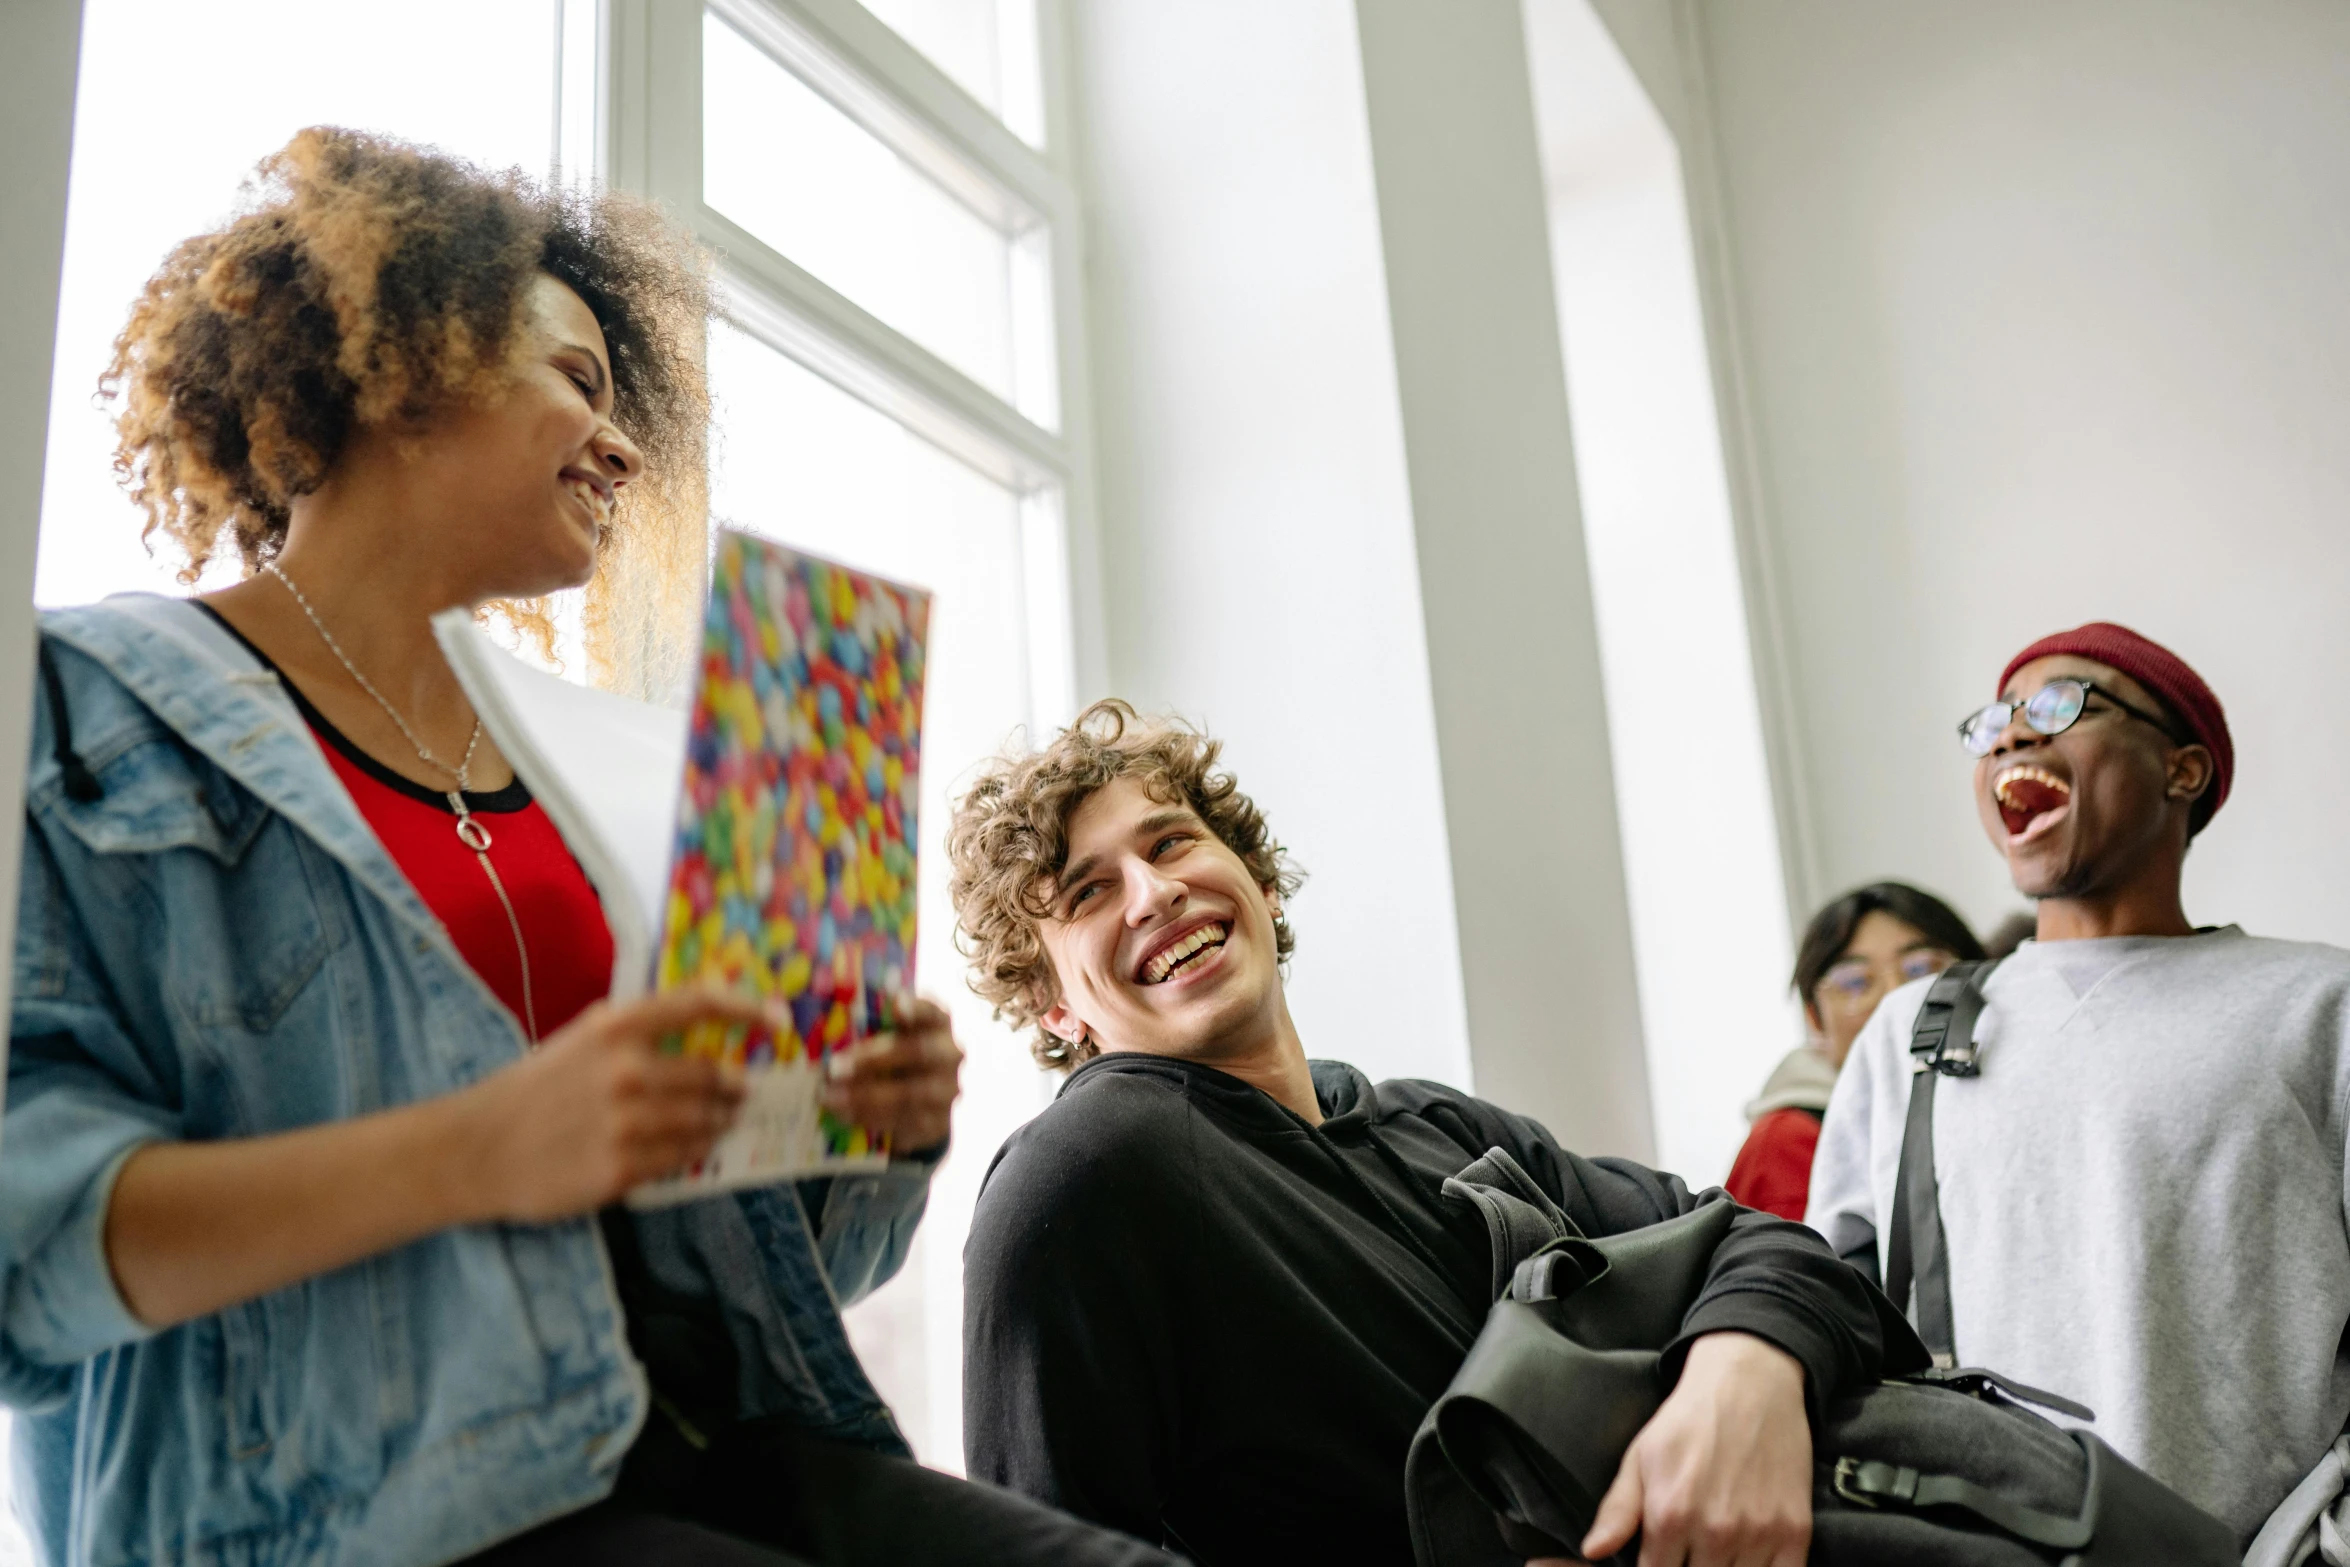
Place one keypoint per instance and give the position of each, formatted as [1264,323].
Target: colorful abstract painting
[794,873]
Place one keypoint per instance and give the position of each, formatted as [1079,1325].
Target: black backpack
[1943,1467]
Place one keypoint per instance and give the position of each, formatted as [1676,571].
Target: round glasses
[2051,710]
[1852,984]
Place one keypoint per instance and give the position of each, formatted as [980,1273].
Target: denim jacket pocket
[246,934]
[156,797]
[254,1337]
[301,1389]
[245,970]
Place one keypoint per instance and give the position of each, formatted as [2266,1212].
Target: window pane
[147,175]
[799,460]
[988,46]
[804,178]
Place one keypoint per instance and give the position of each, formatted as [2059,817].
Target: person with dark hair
[317,1120]
[2140,1168]
[1213,1288]
[1871,941]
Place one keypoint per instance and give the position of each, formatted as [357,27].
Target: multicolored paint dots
[794,870]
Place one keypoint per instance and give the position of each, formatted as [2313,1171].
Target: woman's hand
[599,1108]
[1721,1474]
[901,1087]
[194,1227]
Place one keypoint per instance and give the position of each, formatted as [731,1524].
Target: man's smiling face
[2077,812]
[1160,941]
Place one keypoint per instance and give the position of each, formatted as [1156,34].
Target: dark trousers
[770,1496]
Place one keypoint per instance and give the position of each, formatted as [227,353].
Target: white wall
[1521,717]
[1693,791]
[40,41]
[1256,522]
[1339,518]
[2041,310]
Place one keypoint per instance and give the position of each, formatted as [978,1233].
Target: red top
[1773,1171]
[562,920]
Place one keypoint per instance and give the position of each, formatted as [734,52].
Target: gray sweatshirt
[2143,1193]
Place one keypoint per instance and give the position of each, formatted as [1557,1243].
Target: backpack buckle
[1932,1051]
[1870,1482]
[1930,1047]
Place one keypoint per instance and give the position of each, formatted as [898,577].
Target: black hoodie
[1190,1316]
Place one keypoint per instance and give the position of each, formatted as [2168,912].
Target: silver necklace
[470,831]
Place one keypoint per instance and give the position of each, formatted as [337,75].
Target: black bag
[1944,1468]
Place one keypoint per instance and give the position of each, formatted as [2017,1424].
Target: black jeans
[771,1496]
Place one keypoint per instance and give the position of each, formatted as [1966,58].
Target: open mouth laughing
[1188,950]
[2031,800]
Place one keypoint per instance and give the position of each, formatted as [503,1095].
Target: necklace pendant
[470,831]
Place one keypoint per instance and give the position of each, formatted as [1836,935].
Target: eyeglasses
[1851,983]
[2051,710]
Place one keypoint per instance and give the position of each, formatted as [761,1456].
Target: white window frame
[649,142]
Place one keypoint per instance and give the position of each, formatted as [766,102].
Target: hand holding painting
[900,1086]
[597,1109]
[793,876]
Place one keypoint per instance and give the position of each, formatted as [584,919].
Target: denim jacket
[217,946]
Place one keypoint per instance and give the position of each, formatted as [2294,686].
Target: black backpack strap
[1942,1044]
[1988,1385]
[1520,1219]
[1868,1482]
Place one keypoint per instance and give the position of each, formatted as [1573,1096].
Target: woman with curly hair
[316,1120]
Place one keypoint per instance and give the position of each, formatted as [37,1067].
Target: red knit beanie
[2165,674]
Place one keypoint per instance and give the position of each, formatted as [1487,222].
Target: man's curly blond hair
[368,282]
[1009,841]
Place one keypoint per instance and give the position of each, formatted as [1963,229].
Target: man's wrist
[1730,1351]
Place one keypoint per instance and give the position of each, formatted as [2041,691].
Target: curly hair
[1010,839]
[370,283]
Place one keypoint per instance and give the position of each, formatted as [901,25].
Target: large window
[895,247]
[175,105]
[801,460]
[897,266]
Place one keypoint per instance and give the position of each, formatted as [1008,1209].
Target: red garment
[562,919]
[1773,1171]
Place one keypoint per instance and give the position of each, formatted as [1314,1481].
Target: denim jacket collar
[242,722]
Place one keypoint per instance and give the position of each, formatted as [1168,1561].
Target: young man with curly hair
[2141,1184]
[1212,1290]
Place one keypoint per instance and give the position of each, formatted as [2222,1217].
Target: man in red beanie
[2142,1189]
